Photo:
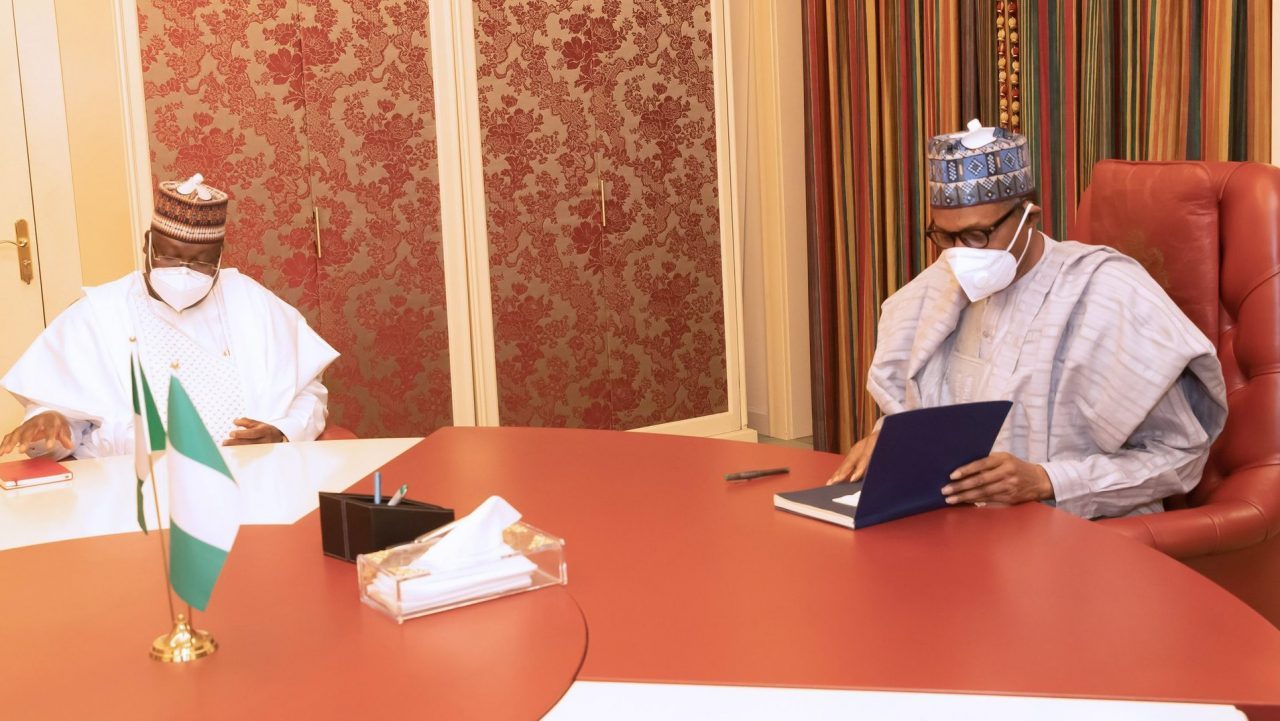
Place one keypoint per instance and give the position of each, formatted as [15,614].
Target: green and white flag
[204,502]
[150,426]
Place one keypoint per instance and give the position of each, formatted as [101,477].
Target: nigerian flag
[204,502]
[152,428]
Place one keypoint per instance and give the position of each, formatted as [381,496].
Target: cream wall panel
[96,134]
[775,292]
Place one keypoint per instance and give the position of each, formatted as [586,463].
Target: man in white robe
[1116,395]
[249,361]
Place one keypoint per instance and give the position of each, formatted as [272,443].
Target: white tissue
[471,561]
[438,589]
[472,540]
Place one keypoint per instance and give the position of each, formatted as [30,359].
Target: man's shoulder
[1105,269]
[238,287]
[119,285]
[1111,286]
[234,281]
[105,295]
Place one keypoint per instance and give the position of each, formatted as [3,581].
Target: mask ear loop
[213,282]
[1027,245]
[150,252]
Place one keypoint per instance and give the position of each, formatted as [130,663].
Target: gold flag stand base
[183,644]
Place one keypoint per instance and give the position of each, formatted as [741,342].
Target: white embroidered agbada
[241,352]
[1115,392]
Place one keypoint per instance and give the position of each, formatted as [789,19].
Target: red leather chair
[335,433]
[1210,235]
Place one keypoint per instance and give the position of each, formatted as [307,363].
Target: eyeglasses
[166,261]
[970,237]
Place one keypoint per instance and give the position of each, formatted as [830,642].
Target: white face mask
[181,287]
[983,272]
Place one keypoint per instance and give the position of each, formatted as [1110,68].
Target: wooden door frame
[466,229]
[464,241]
[54,237]
[133,112]
[775,140]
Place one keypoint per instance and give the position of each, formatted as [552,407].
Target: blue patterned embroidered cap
[978,166]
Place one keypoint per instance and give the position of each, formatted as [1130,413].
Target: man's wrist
[288,429]
[1045,486]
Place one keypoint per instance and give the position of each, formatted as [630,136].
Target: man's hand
[51,427]
[999,478]
[855,464]
[251,432]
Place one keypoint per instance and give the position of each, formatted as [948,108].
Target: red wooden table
[682,578]
[685,578]
[295,641]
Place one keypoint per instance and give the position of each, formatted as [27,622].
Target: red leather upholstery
[1210,234]
[335,433]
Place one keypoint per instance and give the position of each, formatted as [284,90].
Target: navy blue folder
[914,457]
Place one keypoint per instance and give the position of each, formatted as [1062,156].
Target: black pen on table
[748,475]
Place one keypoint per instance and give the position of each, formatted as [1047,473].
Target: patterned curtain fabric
[1173,80]
[1150,80]
[882,77]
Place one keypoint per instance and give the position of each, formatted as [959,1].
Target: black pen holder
[352,524]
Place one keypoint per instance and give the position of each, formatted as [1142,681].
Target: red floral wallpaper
[370,126]
[287,104]
[221,102]
[546,251]
[617,326]
[654,106]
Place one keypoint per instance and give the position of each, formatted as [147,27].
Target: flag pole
[182,644]
[140,397]
[164,551]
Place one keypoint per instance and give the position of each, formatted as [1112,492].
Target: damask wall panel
[654,103]
[223,87]
[292,106]
[370,125]
[547,257]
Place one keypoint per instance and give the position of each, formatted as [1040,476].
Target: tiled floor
[806,442]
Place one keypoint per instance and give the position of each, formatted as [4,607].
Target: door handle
[23,243]
[316,213]
[604,219]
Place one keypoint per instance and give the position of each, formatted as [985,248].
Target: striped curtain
[882,77]
[1134,79]
[1172,80]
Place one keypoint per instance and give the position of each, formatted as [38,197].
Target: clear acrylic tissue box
[390,583]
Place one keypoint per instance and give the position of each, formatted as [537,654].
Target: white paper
[849,500]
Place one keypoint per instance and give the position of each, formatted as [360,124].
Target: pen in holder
[352,524]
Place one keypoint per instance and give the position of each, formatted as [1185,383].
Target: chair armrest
[1243,510]
[336,433]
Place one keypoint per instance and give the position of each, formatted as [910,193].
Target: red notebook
[32,472]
